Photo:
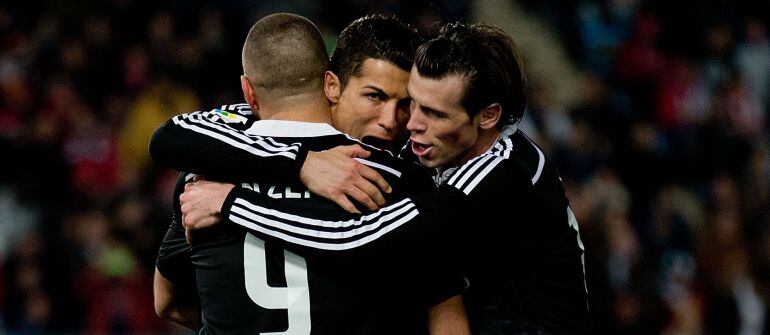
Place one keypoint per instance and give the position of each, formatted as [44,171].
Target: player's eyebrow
[378,89]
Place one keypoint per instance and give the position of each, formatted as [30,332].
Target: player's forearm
[188,317]
[310,232]
[449,318]
[173,305]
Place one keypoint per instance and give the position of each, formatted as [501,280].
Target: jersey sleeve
[174,253]
[434,217]
[416,219]
[215,144]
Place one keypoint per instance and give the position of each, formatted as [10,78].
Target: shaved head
[284,55]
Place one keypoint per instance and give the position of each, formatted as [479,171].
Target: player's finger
[353,151]
[194,219]
[372,192]
[187,220]
[374,177]
[206,221]
[345,203]
[361,197]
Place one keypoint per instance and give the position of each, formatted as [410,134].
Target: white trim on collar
[283,128]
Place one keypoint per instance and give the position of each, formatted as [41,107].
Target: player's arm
[208,143]
[175,295]
[172,303]
[449,318]
[429,217]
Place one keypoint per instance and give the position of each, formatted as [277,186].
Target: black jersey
[248,284]
[506,212]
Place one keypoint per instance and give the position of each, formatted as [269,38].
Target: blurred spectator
[752,57]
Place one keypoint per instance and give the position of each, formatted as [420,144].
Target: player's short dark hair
[285,55]
[488,61]
[377,37]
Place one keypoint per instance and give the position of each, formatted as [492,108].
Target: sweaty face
[374,105]
[442,133]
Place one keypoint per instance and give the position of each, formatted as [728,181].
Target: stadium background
[656,113]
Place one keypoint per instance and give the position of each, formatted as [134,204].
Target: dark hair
[374,36]
[488,61]
[285,54]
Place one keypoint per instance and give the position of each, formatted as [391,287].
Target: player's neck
[311,114]
[311,108]
[485,140]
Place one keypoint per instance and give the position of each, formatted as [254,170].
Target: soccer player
[246,284]
[500,199]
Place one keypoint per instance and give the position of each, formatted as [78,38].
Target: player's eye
[376,96]
[434,113]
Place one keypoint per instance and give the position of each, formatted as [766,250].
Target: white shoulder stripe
[540,164]
[198,119]
[332,235]
[219,126]
[325,245]
[462,169]
[480,176]
[381,222]
[234,143]
[379,166]
[473,169]
[507,152]
[402,205]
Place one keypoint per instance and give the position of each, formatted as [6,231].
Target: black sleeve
[437,218]
[174,254]
[205,143]
[429,219]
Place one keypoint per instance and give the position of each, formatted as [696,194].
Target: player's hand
[335,175]
[202,202]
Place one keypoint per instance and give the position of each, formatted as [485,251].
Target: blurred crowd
[666,158]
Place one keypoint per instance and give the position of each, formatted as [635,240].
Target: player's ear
[490,116]
[332,87]
[248,93]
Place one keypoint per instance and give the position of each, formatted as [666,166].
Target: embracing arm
[174,287]
[204,143]
[173,302]
[449,318]
[435,217]
[430,218]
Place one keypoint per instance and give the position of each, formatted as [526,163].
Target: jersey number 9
[295,297]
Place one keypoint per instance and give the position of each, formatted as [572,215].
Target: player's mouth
[421,149]
[381,143]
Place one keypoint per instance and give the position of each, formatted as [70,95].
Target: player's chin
[427,162]
[378,141]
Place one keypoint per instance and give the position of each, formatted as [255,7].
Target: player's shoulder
[514,161]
